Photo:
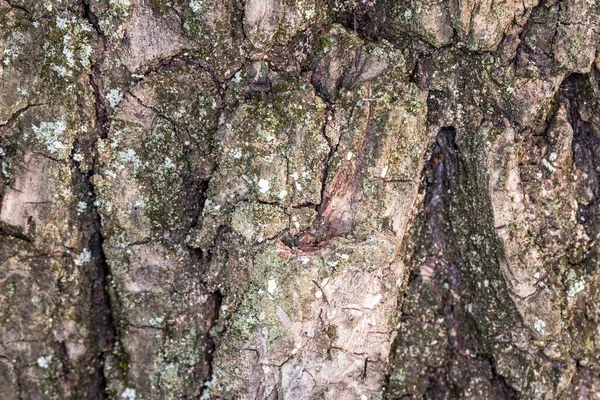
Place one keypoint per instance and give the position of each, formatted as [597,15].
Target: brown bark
[265,199]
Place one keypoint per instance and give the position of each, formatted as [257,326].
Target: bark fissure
[95,77]
[439,279]
[102,305]
[14,118]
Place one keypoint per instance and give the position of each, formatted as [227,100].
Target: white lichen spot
[114,97]
[271,286]
[318,294]
[69,56]
[296,223]
[363,397]
[266,369]
[283,193]
[486,283]
[304,260]
[196,5]
[211,383]
[22,91]
[129,156]
[575,288]
[128,394]
[356,313]
[236,153]
[349,155]
[408,14]
[264,185]
[156,320]
[81,207]
[84,257]
[44,362]
[85,54]
[50,133]
[78,157]
[11,54]
[237,77]
[169,163]
[547,164]
[539,325]
[297,347]
[60,70]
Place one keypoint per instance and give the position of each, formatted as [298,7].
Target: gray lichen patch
[271,150]
[68,46]
[163,321]
[151,175]
[257,222]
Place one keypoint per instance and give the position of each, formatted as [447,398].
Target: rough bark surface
[299,199]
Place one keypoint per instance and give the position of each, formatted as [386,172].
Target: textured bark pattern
[308,199]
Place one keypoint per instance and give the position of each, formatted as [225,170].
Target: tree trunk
[299,199]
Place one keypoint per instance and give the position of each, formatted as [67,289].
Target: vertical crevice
[102,317]
[100,309]
[101,302]
[102,116]
[435,317]
[211,340]
[215,326]
[574,90]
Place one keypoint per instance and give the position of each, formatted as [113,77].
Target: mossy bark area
[305,199]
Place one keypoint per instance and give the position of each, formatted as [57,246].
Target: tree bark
[299,199]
